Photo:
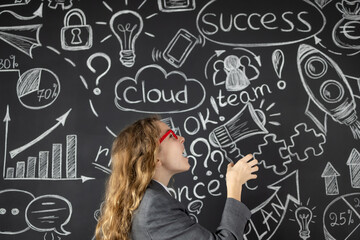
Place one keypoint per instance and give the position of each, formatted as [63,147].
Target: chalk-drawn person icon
[250,71]
[145,155]
[236,80]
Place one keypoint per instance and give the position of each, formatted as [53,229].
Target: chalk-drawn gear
[76,37]
[273,154]
[304,141]
[65,4]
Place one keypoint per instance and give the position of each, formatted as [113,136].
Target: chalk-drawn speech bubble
[270,23]
[49,213]
[155,91]
[12,211]
[195,206]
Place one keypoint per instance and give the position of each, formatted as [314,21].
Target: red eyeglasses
[167,133]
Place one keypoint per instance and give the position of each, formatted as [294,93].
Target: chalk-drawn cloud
[155,91]
[232,24]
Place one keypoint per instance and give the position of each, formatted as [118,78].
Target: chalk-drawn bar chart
[48,166]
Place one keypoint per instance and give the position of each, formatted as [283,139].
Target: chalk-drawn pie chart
[37,88]
[342,218]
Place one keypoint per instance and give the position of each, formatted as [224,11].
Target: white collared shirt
[163,186]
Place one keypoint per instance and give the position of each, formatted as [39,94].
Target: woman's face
[171,152]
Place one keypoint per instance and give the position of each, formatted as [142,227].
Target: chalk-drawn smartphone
[179,48]
[176,5]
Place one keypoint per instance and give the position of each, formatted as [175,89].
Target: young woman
[145,155]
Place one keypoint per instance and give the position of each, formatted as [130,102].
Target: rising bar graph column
[56,161]
[43,164]
[20,170]
[71,156]
[31,166]
[10,172]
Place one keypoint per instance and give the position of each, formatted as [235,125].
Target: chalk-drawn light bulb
[303,217]
[126,25]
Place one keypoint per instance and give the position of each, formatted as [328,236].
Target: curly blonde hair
[133,165]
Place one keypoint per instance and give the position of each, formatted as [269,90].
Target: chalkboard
[278,79]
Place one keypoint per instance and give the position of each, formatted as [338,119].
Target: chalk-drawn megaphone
[23,38]
[246,123]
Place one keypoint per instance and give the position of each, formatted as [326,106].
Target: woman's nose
[182,139]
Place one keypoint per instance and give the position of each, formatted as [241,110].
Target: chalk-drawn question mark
[193,168]
[203,140]
[221,160]
[97,90]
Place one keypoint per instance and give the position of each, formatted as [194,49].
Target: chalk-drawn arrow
[6,120]
[268,216]
[354,165]
[317,41]
[82,178]
[217,54]
[330,175]
[37,13]
[257,57]
[61,121]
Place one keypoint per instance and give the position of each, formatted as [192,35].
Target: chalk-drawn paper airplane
[329,90]
[23,38]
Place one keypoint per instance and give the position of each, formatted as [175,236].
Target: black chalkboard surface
[278,79]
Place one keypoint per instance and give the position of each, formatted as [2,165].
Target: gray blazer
[160,217]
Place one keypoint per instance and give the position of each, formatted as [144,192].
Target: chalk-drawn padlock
[76,37]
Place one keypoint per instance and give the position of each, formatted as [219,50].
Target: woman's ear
[158,163]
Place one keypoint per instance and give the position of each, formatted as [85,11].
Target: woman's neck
[163,178]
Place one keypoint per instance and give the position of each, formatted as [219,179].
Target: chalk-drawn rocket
[328,90]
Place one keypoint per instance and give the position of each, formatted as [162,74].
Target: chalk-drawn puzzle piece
[273,154]
[304,141]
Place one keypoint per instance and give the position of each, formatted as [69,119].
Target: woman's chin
[188,165]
